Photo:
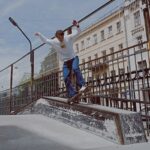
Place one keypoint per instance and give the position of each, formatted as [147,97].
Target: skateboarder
[63,44]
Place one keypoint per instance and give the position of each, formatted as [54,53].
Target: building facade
[102,38]
[137,28]
[111,39]
[50,63]
[121,29]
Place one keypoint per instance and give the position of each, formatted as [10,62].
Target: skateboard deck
[76,98]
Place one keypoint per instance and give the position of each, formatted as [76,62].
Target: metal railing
[28,65]
[120,80]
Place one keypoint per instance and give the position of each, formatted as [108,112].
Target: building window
[146,94]
[112,53]
[143,2]
[104,55]
[77,48]
[137,19]
[139,41]
[89,62]
[120,47]
[96,56]
[121,73]
[95,39]
[110,31]
[83,60]
[102,35]
[83,64]
[82,45]
[118,24]
[142,64]
[88,42]
[113,74]
[89,58]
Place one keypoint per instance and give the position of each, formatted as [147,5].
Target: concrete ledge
[119,126]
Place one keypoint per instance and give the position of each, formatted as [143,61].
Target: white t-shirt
[65,48]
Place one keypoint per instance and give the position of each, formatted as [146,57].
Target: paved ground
[14,138]
[37,132]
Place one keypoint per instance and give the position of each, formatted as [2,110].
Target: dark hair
[59,32]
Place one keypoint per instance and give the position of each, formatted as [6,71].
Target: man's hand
[75,23]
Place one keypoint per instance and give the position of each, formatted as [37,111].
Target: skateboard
[76,98]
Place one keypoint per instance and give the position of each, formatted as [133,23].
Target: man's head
[59,35]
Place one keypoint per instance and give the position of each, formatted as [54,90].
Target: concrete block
[116,125]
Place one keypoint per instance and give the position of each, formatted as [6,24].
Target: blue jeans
[68,66]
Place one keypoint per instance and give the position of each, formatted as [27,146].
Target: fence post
[11,84]
[32,71]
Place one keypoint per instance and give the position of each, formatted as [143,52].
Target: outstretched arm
[43,38]
[76,30]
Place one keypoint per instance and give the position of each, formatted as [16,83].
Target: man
[63,44]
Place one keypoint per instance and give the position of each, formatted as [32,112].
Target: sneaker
[83,88]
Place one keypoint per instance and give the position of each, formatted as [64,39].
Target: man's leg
[67,79]
[76,69]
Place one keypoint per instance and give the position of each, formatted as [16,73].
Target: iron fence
[120,80]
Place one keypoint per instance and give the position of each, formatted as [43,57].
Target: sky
[45,16]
